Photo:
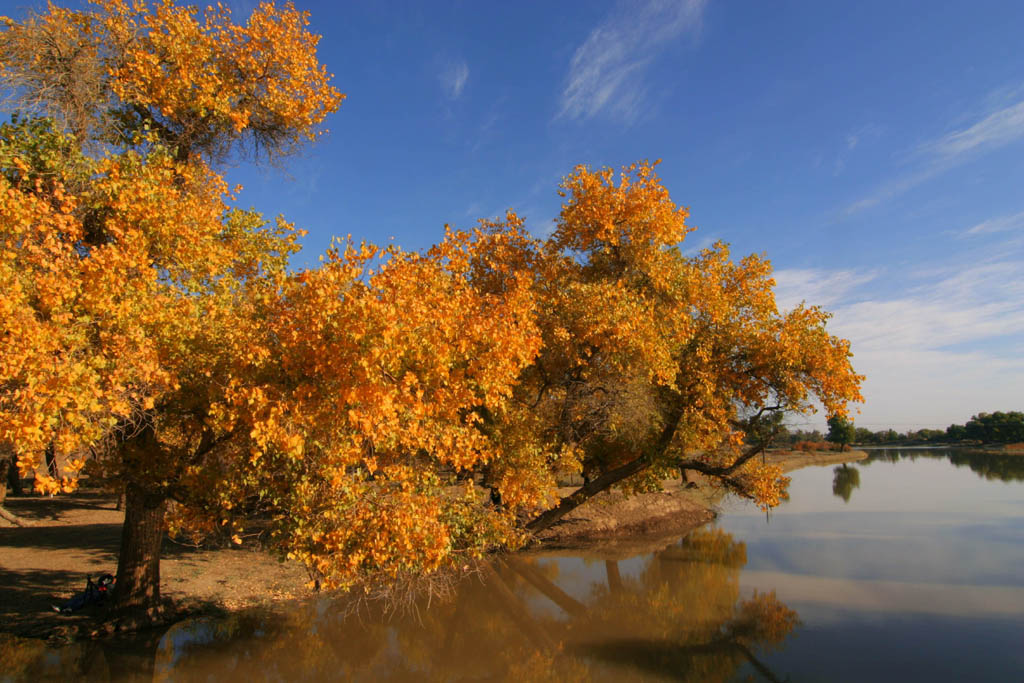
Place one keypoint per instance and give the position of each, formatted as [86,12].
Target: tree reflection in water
[990,466]
[680,616]
[844,480]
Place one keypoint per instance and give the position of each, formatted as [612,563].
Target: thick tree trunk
[608,479]
[585,493]
[7,464]
[14,475]
[138,565]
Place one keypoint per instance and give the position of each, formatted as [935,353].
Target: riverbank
[613,524]
[794,460]
[77,535]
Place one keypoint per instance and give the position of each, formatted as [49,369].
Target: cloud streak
[606,73]
[996,130]
[453,79]
[816,287]
[998,224]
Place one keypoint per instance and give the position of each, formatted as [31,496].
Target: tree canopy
[154,333]
[652,361]
[840,430]
[134,295]
[195,80]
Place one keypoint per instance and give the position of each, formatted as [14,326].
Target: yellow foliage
[153,327]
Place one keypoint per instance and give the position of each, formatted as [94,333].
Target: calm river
[904,567]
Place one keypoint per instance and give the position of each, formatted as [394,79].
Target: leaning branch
[586,492]
[612,477]
[609,478]
[722,470]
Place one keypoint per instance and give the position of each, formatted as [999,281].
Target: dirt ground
[76,536]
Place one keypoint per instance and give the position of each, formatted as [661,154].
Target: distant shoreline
[991,449]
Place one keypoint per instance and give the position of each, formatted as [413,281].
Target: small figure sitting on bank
[94,594]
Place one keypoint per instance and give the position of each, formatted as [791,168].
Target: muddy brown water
[906,566]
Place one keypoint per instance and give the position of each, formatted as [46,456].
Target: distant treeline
[997,427]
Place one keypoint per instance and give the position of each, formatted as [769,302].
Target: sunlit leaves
[638,337]
[212,80]
[124,73]
[356,406]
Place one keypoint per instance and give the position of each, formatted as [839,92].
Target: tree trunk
[641,463]
[7,465]
[14,475]
[610,478]
[5,468]
[585,493]
[138,565]
[51,460]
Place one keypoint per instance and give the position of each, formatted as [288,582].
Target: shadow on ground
[71,538]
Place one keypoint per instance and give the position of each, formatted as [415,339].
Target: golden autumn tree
[653,362]
[197,81]
[376,393]
[156,331]
[134,297]
[128,304]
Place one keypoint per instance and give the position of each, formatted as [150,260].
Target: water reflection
[681,615]
[991,466]
[844,480]
[676,613]
[920,567]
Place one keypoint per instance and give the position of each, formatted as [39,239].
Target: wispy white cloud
[998,224]
[816,287]
[454,77]
[606,72]
[996,129]
[960,307]
[945,347]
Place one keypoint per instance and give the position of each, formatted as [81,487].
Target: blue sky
[873,150]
